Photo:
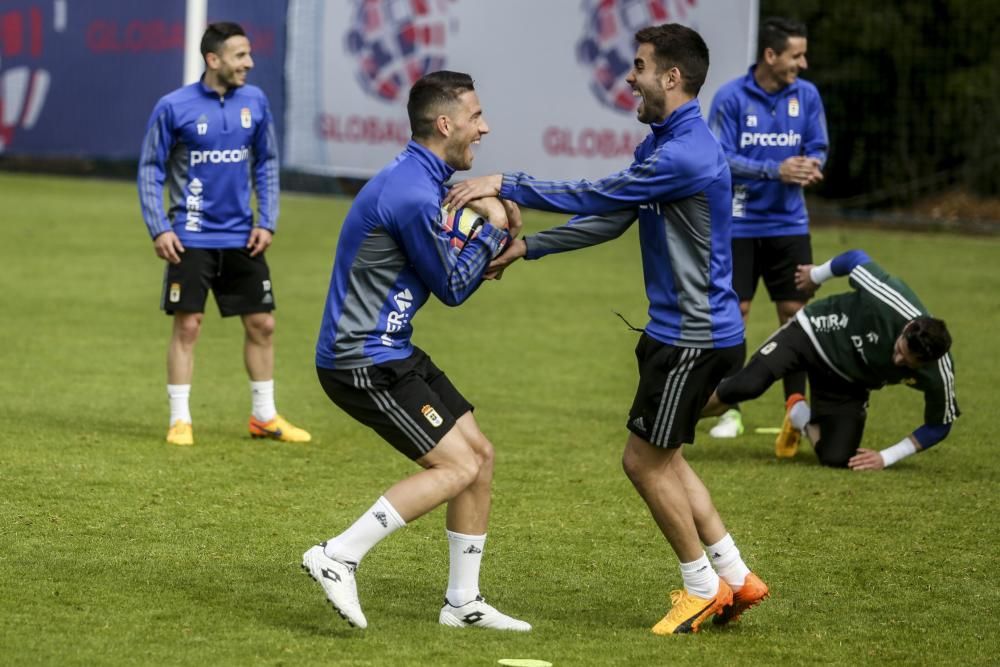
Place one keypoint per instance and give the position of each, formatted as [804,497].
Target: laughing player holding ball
[396,248]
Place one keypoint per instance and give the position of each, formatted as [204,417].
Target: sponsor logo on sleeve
[192,222]
[399,318]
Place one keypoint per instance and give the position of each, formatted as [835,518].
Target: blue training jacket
[207,149]
[679,189]
[758,130]
[395,249]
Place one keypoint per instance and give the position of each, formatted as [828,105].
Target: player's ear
[212,60]
[444,125]
[672,78]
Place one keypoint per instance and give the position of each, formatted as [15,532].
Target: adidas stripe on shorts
[674,385]
[411,403]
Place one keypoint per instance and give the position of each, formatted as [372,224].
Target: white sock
[465,555]
[799,415]
[262,394]
[379,522]
[727,561]
[179,394]
[699,578]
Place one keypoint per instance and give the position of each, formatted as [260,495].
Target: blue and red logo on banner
[608,42]
[396,42]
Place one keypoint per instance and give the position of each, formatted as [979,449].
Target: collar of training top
[437,167]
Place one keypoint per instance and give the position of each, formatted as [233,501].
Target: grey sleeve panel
[580,232]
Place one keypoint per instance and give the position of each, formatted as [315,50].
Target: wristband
[820,274]
[900,450]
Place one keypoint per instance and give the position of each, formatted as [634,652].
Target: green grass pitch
[116,549]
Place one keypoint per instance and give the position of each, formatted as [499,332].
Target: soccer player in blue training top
[851,344]
[772,127]
[208,141]
[678,188]
[395,250]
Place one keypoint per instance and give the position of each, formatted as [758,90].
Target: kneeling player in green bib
[851,344]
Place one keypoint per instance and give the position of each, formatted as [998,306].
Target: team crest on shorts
[432,416]
[769,348]
[246,120]
[175,292]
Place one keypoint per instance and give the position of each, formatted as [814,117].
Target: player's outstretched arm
[515,251]
[474,188]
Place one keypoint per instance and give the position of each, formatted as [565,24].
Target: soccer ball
[463,225]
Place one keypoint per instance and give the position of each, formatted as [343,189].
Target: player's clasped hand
[800,170]
[474,188]
[866,459]
[259,241]
[168,247]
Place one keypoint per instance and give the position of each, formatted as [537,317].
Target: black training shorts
[411,403]
[674,385]
[773,258]
[241,283]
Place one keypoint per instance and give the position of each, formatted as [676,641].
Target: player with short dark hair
[678,188]
[850,345]
[772,127]
[210,142]
[395,250]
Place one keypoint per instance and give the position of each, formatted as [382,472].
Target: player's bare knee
[187,327]
[460,472]
[633,466]
[484,452]
[260,327]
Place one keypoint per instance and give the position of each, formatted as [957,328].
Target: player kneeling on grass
[851,344]
[396,247]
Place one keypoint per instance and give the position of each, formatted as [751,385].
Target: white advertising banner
[550,75]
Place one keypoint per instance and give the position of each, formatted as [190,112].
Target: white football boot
[479,614]
[337,580]
[730,425]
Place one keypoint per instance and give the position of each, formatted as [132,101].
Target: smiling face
[466,126]
[229,67]
[782,69]
[649,85]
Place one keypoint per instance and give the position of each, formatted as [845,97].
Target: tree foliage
[911,89]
